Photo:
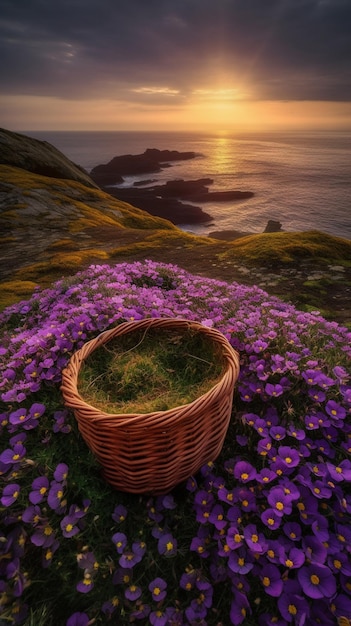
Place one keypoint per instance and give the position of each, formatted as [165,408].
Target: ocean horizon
[300,178]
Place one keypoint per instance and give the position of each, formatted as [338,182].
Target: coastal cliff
[55,223]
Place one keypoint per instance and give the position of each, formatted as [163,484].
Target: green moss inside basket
[153,370]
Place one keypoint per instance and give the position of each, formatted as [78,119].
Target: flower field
[261,536]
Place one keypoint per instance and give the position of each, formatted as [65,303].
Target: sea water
[302,179]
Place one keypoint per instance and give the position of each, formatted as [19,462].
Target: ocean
[302,179]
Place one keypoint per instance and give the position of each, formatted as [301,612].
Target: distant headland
[165,200]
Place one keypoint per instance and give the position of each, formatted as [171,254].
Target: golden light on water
[223,152]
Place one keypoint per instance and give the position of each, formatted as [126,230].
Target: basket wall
[153,452]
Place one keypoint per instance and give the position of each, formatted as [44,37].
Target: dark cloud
[286,49]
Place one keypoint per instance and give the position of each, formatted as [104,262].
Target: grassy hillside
[52,227]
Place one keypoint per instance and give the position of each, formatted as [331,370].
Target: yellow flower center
[292,609]
[314,579]
[266,581]
[279,506]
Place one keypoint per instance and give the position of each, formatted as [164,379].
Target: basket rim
[70,373]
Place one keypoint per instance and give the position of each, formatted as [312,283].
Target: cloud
[161,50]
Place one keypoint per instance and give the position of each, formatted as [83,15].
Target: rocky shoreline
[169,200]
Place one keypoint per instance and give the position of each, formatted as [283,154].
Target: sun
[223,106]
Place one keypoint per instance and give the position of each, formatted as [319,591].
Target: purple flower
[158,587]
[274,390]
[85,585]
[43,535]
[32,515]
[120,513]
[271,518]
[12,456]
[340,472]
[109,607]
[69,526]
[48,554]
[133,592]
[61,472]
[217,517]
[240,562]
[239,608]
[244,471]
[55,496]
[40,487]
[199,544]
[335,410]
[254,539]
[279,501]
[120,541]
[60,425]
[339,562]
[292,530]
[10,494]
[87,561]
[20,416]
[293,607]
[289,456]
[294,559]
[158,618]
[141,611]
[317,581]
[271,580]
[167,545]
[277,432]
[128,559]
[315,551]
[266,476]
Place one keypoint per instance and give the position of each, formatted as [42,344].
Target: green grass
[285,248]
[153,371]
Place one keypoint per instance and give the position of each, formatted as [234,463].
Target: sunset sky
[175,64]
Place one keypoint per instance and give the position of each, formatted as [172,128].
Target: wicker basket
[153,452]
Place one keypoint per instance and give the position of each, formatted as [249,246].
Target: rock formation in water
[152,160]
